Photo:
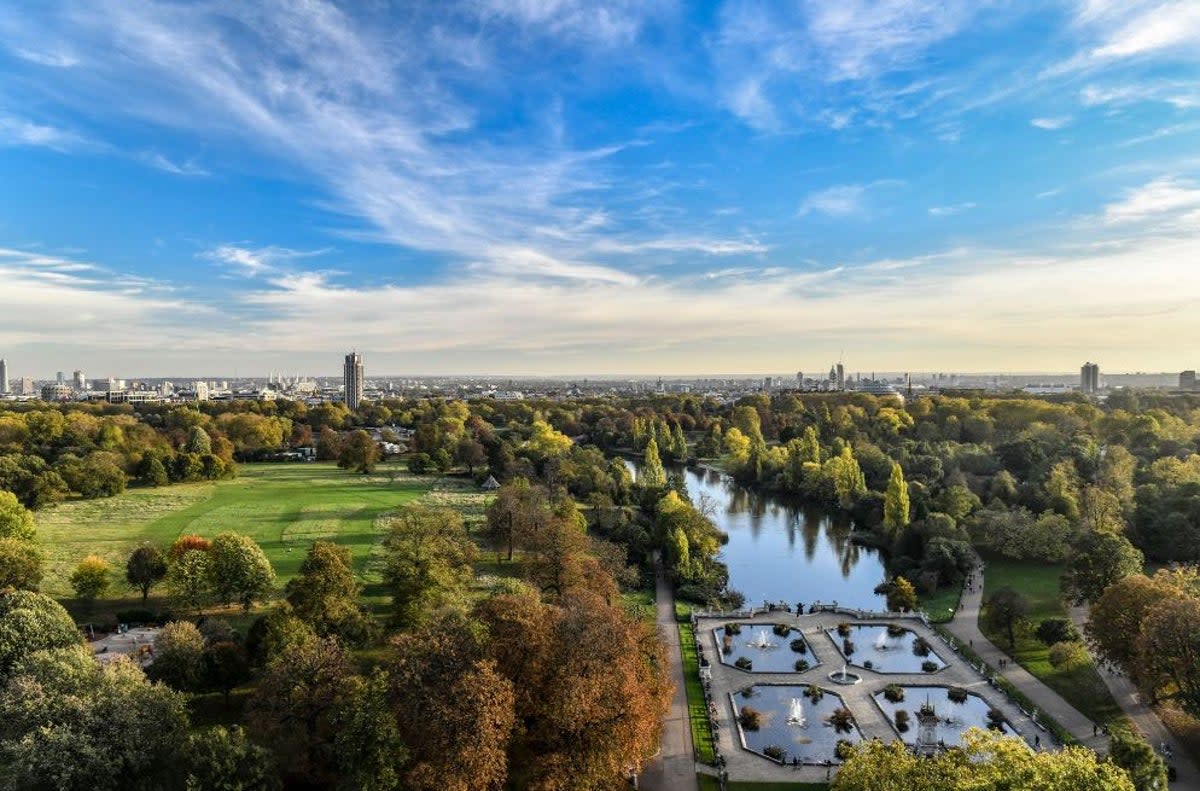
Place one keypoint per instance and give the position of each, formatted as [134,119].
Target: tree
[1116,618]
[895,504]
[198,441]
[185,543]
[329,444]
[225,666]
[325,594]
[152,472]
[73,724]
[847,477]
[359,453]
[1097,560]
[427,561]
[179,656]
[1144,766]
[652,475]
[293,710]
[1169,651]
[368,746]
[31,622]
[519,510]
[1056,630]
[20,564]
[1005,610]
[90,579]
[238,570]
[146,566]
[188,579]
[276,634]
[454,710]
[901,595]
[16,521]
[987,760]
[223,759]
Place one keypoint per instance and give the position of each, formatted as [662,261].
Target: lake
[782,550]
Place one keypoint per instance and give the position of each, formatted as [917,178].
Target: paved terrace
[747,766]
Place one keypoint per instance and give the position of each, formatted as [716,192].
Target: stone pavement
[965,627]
[747,766]
[674,768]
[1144,718]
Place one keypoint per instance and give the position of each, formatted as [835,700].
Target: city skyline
[636,189]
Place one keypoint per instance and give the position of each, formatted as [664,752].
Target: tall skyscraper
[61,378]
[841,377]
[353,377]
[3,376]
[1187,380]
[1089,378]
[80,381]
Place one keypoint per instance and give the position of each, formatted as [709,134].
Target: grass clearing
[941,604]
[702,739]
[284,507]
[1081,686]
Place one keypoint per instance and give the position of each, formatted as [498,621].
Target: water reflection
[767,563]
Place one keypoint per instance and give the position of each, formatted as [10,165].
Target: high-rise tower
[353,377]
[1089,378]
[3,376]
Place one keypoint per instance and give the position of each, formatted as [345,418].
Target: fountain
[761,641]
[881,641]
[796,714]
[844,677]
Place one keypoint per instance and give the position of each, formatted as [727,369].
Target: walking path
[965,626]
[674,768]
[1144,718]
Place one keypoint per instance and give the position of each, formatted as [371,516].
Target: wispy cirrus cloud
[1050,124]
[1162,198]
[255,261]
[161,162]
[842,200]
[23,132]
[950,211]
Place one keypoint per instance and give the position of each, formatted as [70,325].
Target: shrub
[136,616]
[775,751]
[743,663]
[843,629]
[1068,655]
[901,720]
[869,665]
[921,646]
[894,630]
[957,695]
[893,693]
[782,629]
[733,628]
[727,644]
[995,719]
[750,718]
[801,665]
[843,750]
[847,647]
[814,693]
[929,666]
[1056,630]
[842,720]
[799,646]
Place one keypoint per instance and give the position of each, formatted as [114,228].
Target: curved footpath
[1144,717]
[965,626]
[674,768]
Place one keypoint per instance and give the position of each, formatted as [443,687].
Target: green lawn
[697,709]
[941,604]
[284,507]
[1082,687]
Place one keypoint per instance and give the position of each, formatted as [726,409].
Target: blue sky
[569,187]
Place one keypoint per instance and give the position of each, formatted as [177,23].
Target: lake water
[785,551]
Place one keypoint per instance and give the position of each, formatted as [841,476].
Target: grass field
[702,740]
[284,507]
[1082,687]
[941,604]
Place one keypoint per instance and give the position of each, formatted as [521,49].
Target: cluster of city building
[353,388]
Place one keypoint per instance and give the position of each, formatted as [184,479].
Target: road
[674,768]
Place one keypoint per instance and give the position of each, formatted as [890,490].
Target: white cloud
[189,168]
[254,261]
[947,211]
[841,200]
[22,132]
[1051,123]
[614,23]
[53,59]
[1138,29]
[1160,198]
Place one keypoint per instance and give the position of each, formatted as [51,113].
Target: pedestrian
[1037,741]
[1094,729]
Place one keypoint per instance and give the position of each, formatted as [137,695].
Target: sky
[568,187]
